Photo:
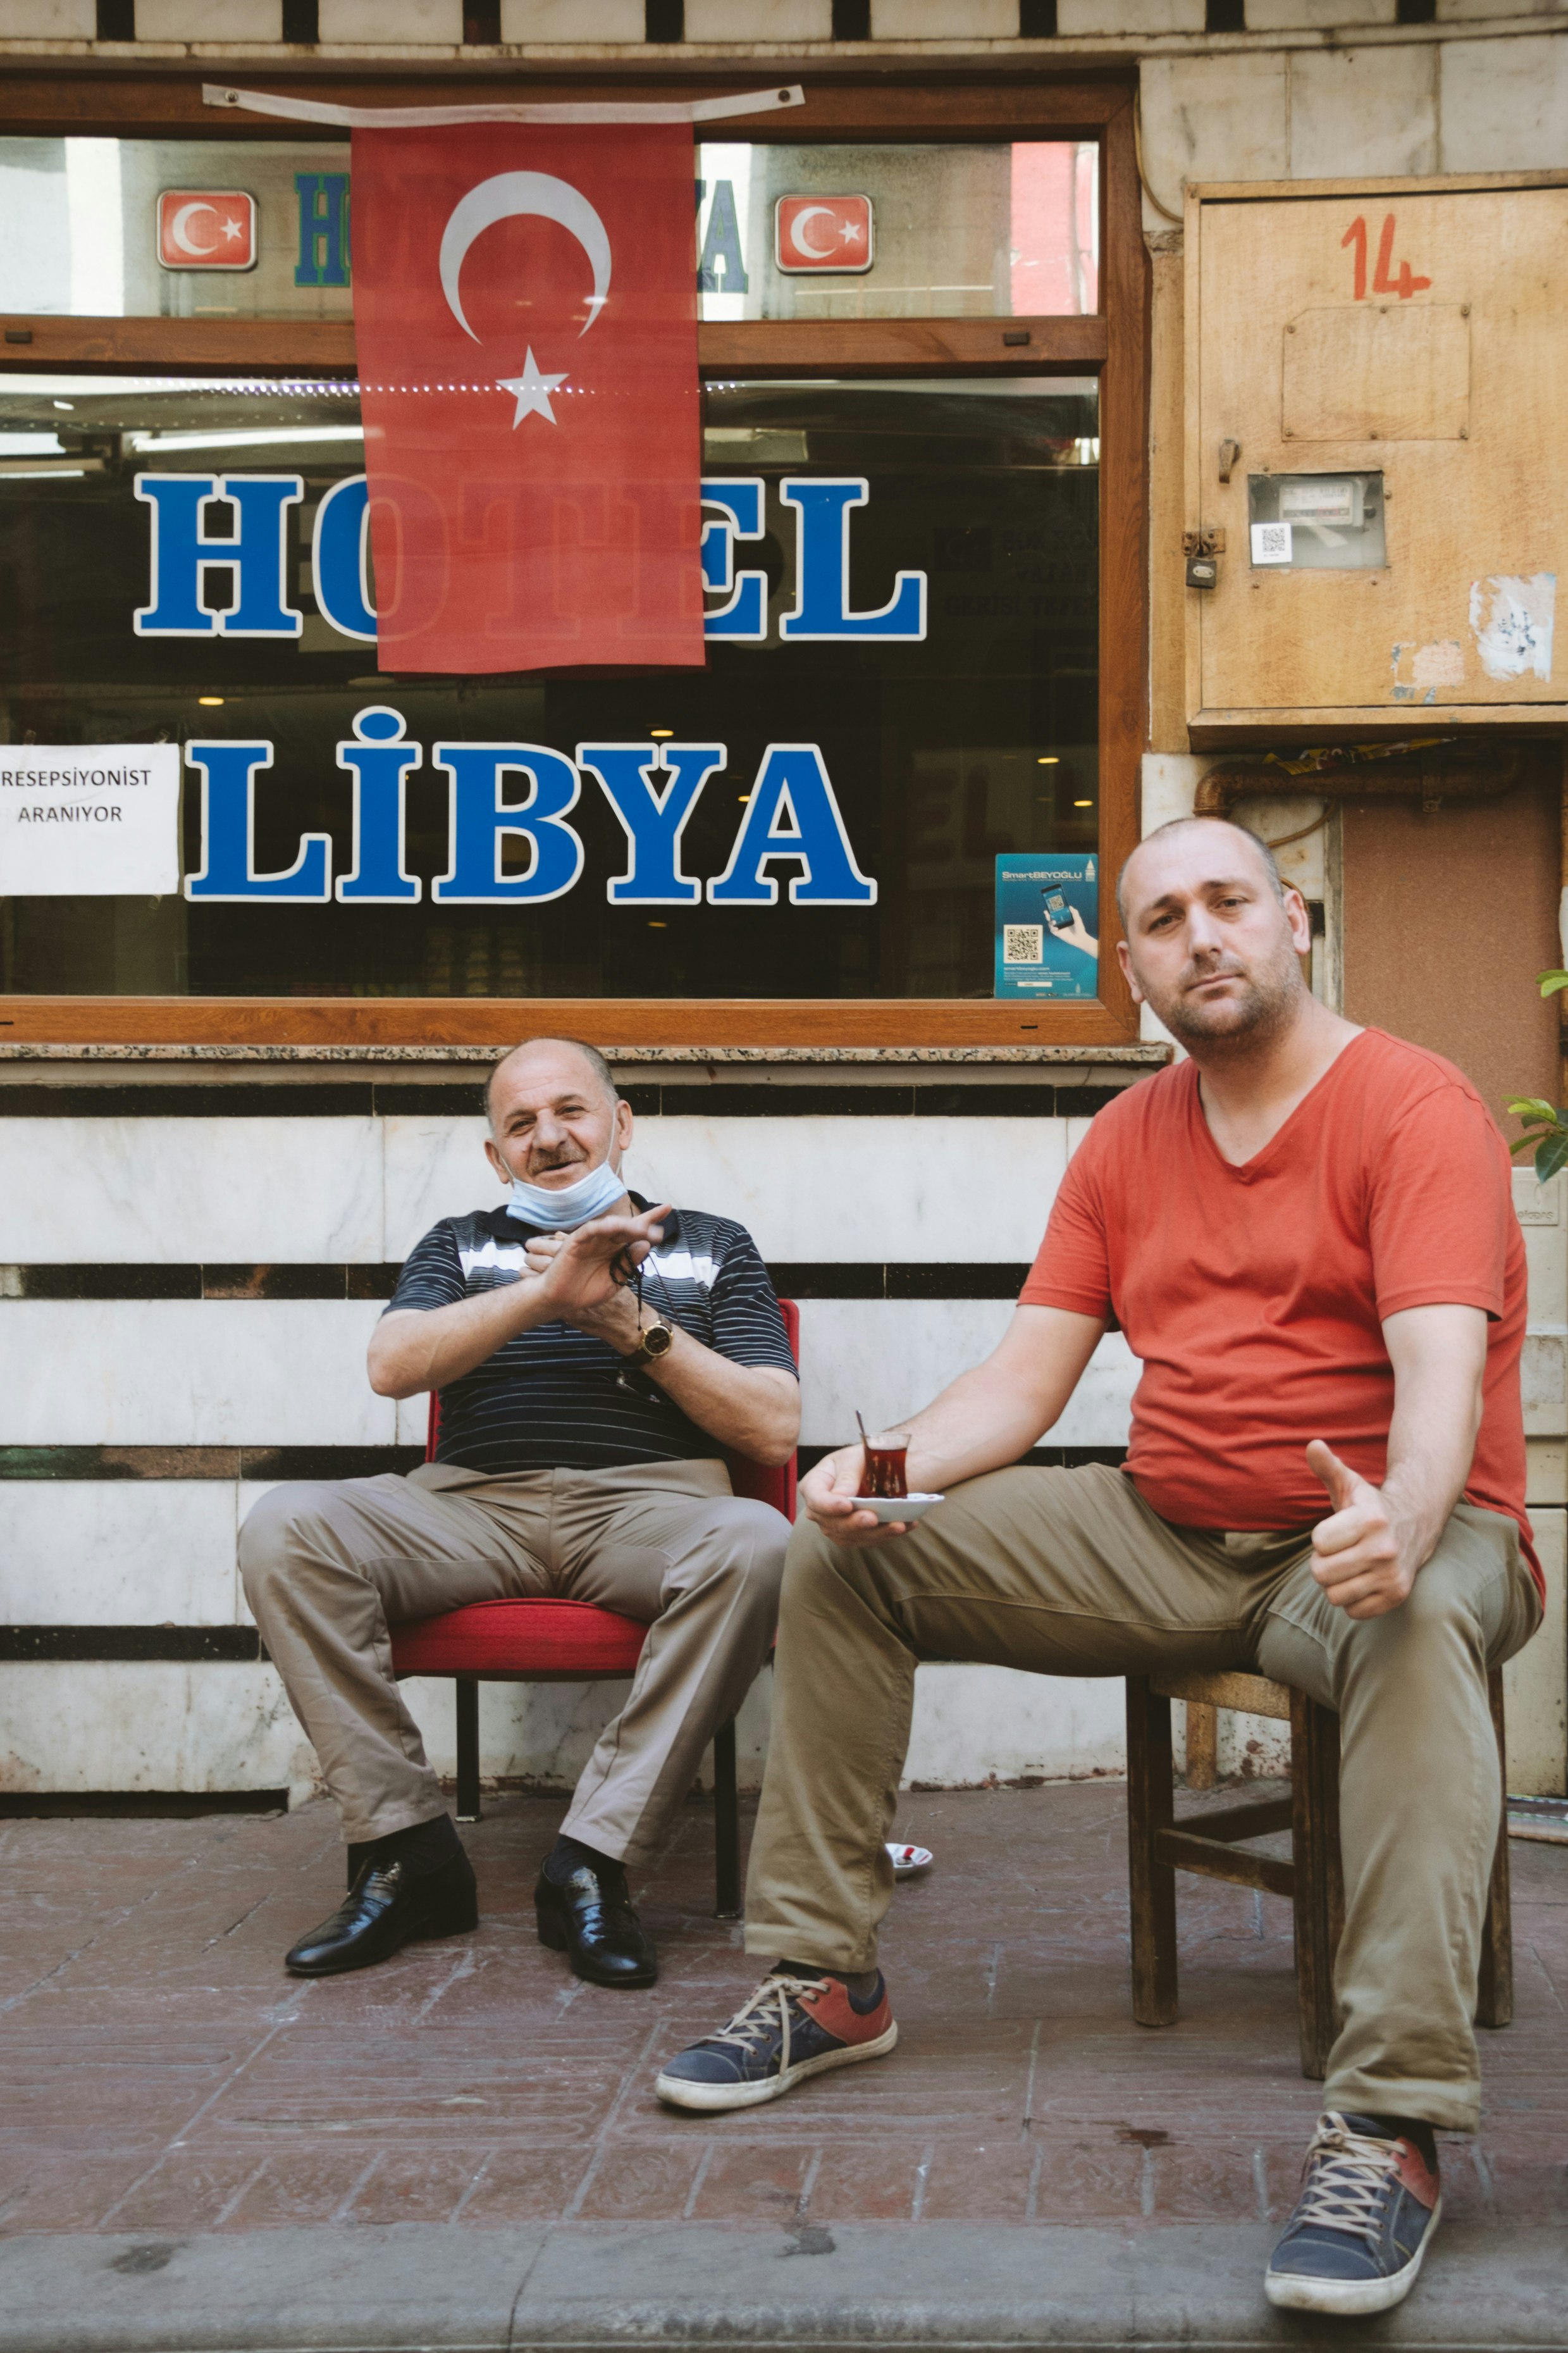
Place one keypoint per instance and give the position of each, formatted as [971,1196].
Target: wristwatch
[655,1342]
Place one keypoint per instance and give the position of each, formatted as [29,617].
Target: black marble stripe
[138,1805]
[205,1461]
[226,1462]
[282,1280]
[170,1645]
[1038,1458]
[725,1099]
[826,1279]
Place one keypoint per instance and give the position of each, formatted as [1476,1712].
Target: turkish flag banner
[525,312]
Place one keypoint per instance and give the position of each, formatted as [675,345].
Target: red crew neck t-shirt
[1254,1296]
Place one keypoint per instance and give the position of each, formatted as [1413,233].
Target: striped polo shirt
[550,1398]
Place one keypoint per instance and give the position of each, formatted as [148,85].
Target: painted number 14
[1404,285]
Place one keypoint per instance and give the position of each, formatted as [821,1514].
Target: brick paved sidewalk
[162,2075]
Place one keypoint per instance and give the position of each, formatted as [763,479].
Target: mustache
[559,1159]
[1220,967]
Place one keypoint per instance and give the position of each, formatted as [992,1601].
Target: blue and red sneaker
[795,2024]
[1369,2204]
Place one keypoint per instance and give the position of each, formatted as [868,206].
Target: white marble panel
[194,1191]
[576,21]
[838,1189]
[1367,113]
[1088,17]
[969,1722]
[1218,118]
[972,1722]
[1504,104]
[209,20]
[147,1726]
[944,20]
[890,1356]
[1535,1683]
[49,20]
[1456,12]
[118,1552]
[1286,15]
[414,1420]
[759,20]
[384,22]
[189,1371]
[435,1167]
[843,1190]
[543,1734]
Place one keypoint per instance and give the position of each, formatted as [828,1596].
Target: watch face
[656,1339]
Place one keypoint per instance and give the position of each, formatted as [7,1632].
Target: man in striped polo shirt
[593,1358]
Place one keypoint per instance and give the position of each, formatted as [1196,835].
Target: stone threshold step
[616,2286]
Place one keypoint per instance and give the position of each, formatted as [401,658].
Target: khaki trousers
[329,1568]
[1070,1573]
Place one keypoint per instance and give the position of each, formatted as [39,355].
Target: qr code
[1023,943]
[1271,542]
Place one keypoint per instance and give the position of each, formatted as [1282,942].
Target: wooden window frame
[1113,345]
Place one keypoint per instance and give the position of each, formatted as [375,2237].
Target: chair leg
[726,1825]
[467,1695]
[1318,1880]
[1151,1808]
[1494,2004]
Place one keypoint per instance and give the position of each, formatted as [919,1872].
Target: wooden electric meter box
[1375,380]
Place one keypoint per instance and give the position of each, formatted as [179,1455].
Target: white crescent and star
[511,195]
[180,228]
[181,234]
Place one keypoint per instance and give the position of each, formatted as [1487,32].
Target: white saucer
[898,1507]
[909,1862]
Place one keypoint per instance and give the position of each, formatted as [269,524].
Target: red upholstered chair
[574,1642]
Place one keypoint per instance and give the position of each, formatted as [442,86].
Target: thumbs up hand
[1362,1557]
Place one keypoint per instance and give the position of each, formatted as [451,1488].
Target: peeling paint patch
[1512,618]
[1442,664]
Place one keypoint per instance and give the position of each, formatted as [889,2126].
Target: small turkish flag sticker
[207,229]
[823,232]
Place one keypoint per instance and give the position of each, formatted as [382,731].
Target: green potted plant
[1545,1127]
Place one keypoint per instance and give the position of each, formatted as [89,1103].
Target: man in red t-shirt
[1306,1232]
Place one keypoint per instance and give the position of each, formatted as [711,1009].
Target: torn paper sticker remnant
[1511,617]
[1442,664]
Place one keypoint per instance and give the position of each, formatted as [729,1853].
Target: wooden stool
[1210,1844]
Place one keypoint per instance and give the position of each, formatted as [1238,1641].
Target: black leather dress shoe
[386,1909]
[590,1918]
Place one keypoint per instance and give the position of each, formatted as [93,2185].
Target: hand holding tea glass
[860,1495]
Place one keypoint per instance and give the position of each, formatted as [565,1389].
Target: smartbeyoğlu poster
[1047,917]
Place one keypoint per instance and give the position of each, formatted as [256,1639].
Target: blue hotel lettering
[791,811]
[257,555]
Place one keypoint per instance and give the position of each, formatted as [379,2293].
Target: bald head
[1126,881]
[556,1052]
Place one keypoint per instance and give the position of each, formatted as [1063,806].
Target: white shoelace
[768,2006]
[1347,2177]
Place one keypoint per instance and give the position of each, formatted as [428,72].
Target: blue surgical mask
[562,1210]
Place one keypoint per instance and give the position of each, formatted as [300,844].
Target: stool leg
[726,1824]
[1319,1893]
[1151,1808]
[1203,1745]
[1494,2004]
[467,1695]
